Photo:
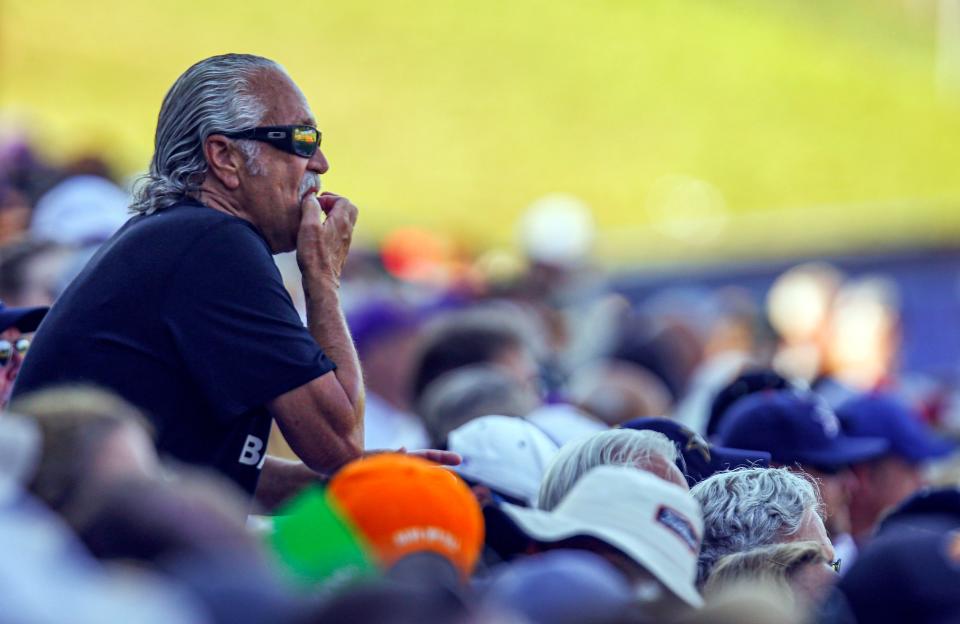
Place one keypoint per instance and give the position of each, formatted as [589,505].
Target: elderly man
[183,312]
[751,507]
[15,323]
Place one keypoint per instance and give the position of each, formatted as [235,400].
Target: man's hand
[322,245]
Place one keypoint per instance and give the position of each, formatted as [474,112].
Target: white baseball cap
[656,524]
[504,453]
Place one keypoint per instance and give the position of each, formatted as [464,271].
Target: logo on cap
[827,419]
[678,524]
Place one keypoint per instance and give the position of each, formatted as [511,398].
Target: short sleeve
[232,321]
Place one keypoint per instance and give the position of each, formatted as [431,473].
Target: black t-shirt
[184,314]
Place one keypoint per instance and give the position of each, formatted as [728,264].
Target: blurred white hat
[505,453]
[80,211]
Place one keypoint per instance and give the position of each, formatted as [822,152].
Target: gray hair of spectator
[774,565]
[470,392]
[616,447]
[751,507]
[214,95]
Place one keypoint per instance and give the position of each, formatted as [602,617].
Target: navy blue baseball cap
[700,459]
[795,426]
[881,415]
[24,319]
[747,383]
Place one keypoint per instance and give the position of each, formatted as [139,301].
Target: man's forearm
[329,328]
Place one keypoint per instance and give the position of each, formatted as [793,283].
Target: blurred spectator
[404,505]
[911,577]
[498,335]
[616,391]
[32,273]
[15,213]
[91,438]
[698,459]
[929,510]
[885,481]
[643,450]
[469,392]
[82,210]
[385,334]
[564,423]
[650,530]
[746,383]
[503,458]
[560,586]
[751,507]
[799,569]
[15,324]
[799,430]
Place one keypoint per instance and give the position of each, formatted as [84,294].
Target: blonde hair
[772,565]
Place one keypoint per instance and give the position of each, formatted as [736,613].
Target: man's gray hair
[214,95]
[751,507]
[616,447]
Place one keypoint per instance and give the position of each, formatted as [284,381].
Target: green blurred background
[695,129]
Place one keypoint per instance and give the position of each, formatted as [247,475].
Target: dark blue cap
[24,319]
[700,459]
[795,426]
[880,415]
[745,384]
[906,578]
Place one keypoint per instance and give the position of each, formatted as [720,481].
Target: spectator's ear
[224,161]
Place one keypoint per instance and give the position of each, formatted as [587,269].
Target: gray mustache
[309,180]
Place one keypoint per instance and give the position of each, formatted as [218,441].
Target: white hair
[616,447]
[751,507]
[214,95]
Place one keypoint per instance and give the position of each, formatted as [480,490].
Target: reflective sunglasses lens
[306,140]
[22,346]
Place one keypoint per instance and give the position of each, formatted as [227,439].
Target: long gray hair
[214,95]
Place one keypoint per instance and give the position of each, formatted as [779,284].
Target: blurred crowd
[688,457]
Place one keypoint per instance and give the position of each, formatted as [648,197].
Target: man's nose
[318,162]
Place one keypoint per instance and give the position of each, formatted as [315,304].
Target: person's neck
[215,198]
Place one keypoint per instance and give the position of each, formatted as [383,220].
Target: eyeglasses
[299,140]
[7,349]
[835,565]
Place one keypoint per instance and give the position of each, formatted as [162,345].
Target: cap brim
[24,319]
[545,526]
[844,450]
[930,447]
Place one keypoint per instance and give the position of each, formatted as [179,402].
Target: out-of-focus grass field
[815,125]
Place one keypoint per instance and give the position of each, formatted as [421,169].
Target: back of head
[474,336]
[469,392]
[644,450]
[773,565]
[751,507]
[214,95]
[75,424]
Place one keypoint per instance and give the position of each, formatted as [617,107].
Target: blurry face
[836,490]
[273,188]
[8,373]
[812,530]
[812,582]
[518,362]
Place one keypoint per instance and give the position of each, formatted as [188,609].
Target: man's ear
[223,161]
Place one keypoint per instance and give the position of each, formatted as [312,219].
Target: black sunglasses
[7,349]
[299,140]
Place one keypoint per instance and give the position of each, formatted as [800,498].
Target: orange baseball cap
[404,504]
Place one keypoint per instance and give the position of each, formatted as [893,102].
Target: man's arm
[323,419]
